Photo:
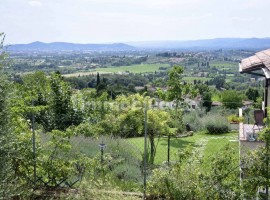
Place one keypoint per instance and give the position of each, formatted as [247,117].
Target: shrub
[219,181]
[216,124]
[235,119]
[194,119]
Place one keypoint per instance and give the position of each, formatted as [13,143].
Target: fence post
[169,148]
[34,145]
[267,161]
[267,166]
[145,150]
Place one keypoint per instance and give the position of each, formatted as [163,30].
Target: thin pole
[145,150]
[241,126]
[267,164]
[34,146]
[169,148]
[101,159]
[267,158]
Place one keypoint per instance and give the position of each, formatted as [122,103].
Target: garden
[57,142]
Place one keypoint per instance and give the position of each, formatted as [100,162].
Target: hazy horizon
[146,41]
[123,21]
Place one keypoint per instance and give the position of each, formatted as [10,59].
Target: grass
[227,64]
[141,68]
[211,143]
[133,148]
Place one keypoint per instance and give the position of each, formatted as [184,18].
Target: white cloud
[35,3]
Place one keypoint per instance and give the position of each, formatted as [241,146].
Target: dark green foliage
[207,100]
[218,81]
[252,94]
[216,124]
[98,80]
[217,129]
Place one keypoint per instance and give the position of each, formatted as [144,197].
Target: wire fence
[132,146]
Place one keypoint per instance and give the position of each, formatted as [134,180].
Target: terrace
[259,65]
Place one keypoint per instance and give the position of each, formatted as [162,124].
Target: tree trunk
[152,148]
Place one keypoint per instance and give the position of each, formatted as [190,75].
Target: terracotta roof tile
[259,60]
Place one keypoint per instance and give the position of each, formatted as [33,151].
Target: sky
[109,21]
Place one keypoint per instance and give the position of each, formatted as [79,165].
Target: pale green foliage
[177,91]
[157,125]
[177,88]
[49,99]
[188,180]
[3,54]
[92,107]
[231,99]
[10,184]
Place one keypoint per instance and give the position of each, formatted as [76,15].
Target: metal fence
[129,158]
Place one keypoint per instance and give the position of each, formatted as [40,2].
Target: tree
[131,120]
[252,94]
[49,99]
[231,99]
[61,109]
[157,125]
[4,120]
[98,79]
[207,101]
[4,89]
[177,91]
[218,81]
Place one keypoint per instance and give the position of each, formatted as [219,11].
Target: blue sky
[103,21]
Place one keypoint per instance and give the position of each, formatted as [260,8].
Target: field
[83,74]
[192,78]
[142,68]
[224,64]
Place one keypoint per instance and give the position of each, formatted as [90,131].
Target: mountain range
[218,43]
[65,46]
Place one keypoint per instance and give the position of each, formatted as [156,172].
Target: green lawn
[206,144]
[203,143]
[141,68]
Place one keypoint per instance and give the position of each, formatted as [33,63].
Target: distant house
[259,65]
[247,104]
[216,103]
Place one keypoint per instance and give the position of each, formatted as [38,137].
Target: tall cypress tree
[98,80]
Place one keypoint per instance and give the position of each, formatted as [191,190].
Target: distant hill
[64,46]
[218,43]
